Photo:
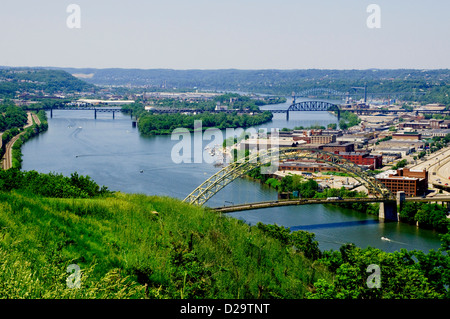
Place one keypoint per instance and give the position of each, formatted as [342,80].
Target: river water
[114,154]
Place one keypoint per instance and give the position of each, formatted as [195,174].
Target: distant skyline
[224,34]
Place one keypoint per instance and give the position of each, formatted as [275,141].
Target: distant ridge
[273,81]
[432,85]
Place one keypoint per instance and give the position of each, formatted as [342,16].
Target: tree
[409,211]
[400,164]
[308,189]
[304,241]
[332,126]
[286,183]
[343,124]
[403,275]
[432,216]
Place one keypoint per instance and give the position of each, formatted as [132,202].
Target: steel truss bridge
[327,92]
[320,92]
[112,110]
[236,169]
[311,201]
[309,106]
[291,202]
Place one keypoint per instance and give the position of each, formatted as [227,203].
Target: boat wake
[392,241]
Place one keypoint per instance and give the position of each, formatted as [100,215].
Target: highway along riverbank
[12,157]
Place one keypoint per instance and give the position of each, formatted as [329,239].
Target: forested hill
[279,82]
[38,81]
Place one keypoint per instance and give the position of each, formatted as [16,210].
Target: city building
[351,138]
[347,150]
[322,139]
[412,182]
[363,159]
[400,151]
[313,136]
[388,158]
[407,136]
[439,124]
[338,147]
[415,125]
[429,133]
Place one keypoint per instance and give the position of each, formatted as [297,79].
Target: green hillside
[137,246]
[37,82]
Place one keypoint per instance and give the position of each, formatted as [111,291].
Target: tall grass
[137,246]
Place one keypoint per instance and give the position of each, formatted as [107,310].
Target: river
[114,154]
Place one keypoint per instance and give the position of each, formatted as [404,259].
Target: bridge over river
[310,201]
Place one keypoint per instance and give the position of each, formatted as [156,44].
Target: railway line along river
[114,154]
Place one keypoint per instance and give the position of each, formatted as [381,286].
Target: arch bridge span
[309,106]
[228,174]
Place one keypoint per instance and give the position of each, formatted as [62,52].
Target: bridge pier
[388,211]
[95,114]
[51,113]
[113,115]
[401,198]
[287,115]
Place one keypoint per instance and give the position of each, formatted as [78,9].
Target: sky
[223,34]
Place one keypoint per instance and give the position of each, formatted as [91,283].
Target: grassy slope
[126,251]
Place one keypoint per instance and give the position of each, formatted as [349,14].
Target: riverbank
[7,159]
[13,156]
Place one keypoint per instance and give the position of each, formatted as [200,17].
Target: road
[438,166]
[36,119]
[7,158]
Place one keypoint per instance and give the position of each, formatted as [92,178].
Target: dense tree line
[50,185]
[11,116]
[402,274]
[46,104]
[154,124]
[427,215]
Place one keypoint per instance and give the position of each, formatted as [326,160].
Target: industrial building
[412,182]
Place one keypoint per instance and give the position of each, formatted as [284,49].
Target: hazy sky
[217,34]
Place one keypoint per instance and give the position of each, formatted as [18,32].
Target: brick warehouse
[413,183]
